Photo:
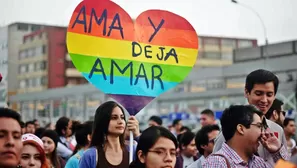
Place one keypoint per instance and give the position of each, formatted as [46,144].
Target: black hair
[237,114]
[287,121]
[29,123]
[39,131]
[156,119]
[22,124]
[208,112]
[61,125]
[202,136]
[185,139]
[185,128]
[101,124]
[276,105]
[9,113]
[261,76]
[75,124]
[148,139]
[54,158]
[175,122]
[81,135]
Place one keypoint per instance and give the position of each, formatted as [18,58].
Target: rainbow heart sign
[133,62]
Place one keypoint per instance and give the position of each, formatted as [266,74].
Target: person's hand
[270,141]
[133,125]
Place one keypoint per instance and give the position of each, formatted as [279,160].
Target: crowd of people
[255,136]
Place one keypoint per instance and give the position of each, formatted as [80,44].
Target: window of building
[229,43]
[31,67]
[44,80]
[22,27]
[22,84]
[245,43]
[38,81]
[43,49]
[211,55]
[23,68]
[211,41]
[69,64]
[30,53]
[22,54]
[42,65]
[35,27]
[227,55]
[38,51]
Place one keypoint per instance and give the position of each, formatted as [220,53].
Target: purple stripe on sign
[133,104]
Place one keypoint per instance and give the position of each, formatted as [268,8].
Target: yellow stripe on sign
[121,49]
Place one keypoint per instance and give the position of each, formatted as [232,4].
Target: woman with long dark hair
[108,149]
[50,141]
[156,148]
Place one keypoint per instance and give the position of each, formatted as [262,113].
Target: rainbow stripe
[86,47]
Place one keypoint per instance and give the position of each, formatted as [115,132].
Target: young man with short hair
[155,121]
[243,129]
[30,127]
[290,129]
[10,138]
[276,113]
[204,141]
[207,117]
[260,90]
[177,125]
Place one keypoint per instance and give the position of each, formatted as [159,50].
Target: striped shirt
[235,160]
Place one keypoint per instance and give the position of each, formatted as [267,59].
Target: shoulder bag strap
[227,161]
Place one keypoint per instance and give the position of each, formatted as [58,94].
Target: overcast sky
[209,17]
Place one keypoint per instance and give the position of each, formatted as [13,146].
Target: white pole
[131,147]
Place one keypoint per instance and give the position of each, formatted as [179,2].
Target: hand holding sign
[131,62]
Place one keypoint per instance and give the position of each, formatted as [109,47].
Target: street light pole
[262,22]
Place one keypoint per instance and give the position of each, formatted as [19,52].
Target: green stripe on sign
[170,73]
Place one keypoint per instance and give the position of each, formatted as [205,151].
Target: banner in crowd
[132,61]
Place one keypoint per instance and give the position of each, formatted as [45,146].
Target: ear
[141,156]
[63,131]
[274,114]
[89,137]
[183,147]
[203,146]
[240,129]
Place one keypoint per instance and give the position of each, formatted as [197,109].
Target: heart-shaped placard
[131,62]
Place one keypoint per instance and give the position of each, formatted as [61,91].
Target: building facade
[218,51]
[11,36]
[43,61]
[3,64]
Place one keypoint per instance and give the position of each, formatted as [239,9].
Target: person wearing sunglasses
[276,113]
[204,141]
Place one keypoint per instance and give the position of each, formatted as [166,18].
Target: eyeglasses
[163,153]
[284,113]
[259,125]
